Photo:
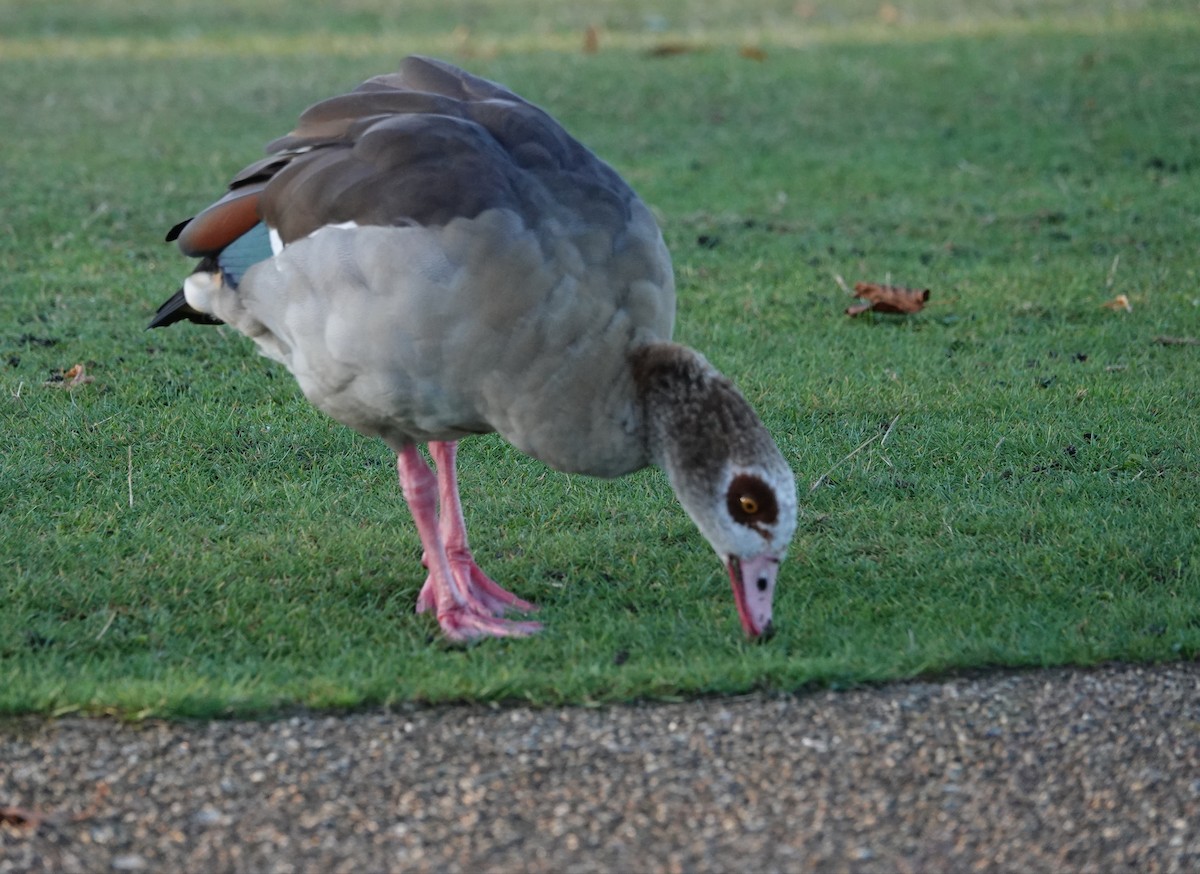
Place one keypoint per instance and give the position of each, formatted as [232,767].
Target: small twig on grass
[819,481]
[1164,340]
[1112,272]
[112,614]
[891,427]
[129,476]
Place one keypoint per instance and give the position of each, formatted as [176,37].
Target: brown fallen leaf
[752,53]
[670,49]
[1120,302]
[591,40]
[1177,341]
[887,299]
[70,378]
[889,13]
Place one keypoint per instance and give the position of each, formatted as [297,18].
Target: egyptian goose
[431,257]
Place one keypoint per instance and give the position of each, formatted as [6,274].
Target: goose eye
[751,502]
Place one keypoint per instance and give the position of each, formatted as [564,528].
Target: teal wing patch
[243,253]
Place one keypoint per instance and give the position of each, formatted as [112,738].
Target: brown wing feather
[336,119]
[223,222]
[418,73]
[422,146]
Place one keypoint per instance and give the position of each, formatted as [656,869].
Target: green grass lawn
[184,535]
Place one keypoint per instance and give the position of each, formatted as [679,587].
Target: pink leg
[460,611]
[453,529]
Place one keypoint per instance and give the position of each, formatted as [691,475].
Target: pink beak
[753,590]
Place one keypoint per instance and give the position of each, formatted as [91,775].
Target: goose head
[727,472]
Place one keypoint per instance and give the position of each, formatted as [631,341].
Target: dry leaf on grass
[670,49]
[889,13]
[591,40]
[752,53]
[887,299]
[1120,302]
[71,378]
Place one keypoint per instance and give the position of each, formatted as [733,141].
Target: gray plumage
[446,260]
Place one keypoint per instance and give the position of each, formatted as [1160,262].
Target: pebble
[1079,770]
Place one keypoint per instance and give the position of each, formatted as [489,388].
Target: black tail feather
[177,309]
[173,234]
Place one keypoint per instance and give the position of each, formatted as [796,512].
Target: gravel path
[1043,771]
